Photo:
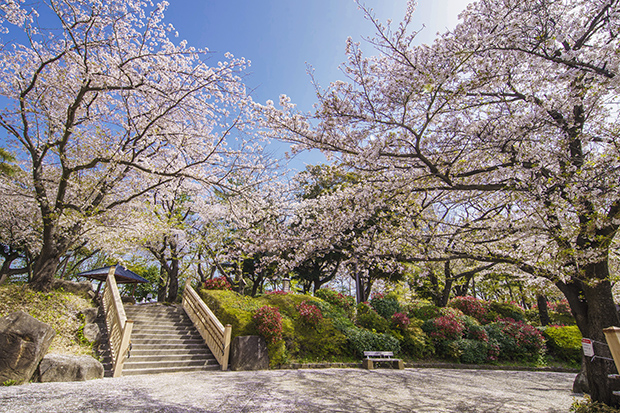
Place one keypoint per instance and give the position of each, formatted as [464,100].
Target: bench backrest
[378,353]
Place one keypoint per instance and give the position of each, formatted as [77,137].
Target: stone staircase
[164,340]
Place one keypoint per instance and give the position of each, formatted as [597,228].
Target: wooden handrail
[612,335]
[119,328]
[215,335]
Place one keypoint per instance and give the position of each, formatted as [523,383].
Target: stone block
[24,341]
[83,288]
[92,333]
[90,314]
[62,367]
[249,353]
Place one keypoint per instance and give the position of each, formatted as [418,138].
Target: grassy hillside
[58,309]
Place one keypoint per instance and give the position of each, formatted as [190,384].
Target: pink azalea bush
[309,313]
[400,320]
[269,323]
[471,306]
[447,327]
[217,283]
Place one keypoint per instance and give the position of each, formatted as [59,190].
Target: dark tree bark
[543,311]
[594,309]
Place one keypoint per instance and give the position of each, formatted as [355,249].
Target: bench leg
[398,364]
[368,364]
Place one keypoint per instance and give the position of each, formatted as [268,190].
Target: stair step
[170,335]
[155,350]
[169,346]
[172,358]
[160,370]
[131,365]
[166,342]
[160,319]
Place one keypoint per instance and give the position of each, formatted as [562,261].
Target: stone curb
[426,365]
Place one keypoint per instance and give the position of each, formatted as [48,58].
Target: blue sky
[280,37]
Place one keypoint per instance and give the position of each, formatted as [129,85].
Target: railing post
[122,351]
[612,335]
[215,335]
[119,328]
[227,335]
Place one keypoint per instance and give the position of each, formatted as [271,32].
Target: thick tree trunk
[173,282]
[162,285]
[44,270]
[601,314]
[445,294]
[543,311]
[594,309]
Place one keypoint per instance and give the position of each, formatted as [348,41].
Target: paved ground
[328,390]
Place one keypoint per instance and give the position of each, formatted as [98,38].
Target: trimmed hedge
[564,342]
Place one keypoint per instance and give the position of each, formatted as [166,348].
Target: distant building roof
[122,275]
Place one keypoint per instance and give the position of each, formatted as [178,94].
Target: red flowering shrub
[471,306]
[269,323]
[494,351]
[344,302]
[309,313]
[517,340]
[276,292]
[400,320]
[218,283]
[477,333]
[447,327]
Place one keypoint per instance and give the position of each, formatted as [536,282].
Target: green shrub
[562,319]
[320,342]
[345,303]
[373,321]
[342,323]
[385,305]
[560,313]
[277,353]
[472,351]
[424,312]
[361,340]
[505,310]
[287,303]
[415,343]
[232,308]
[476,332]
[564,342]
[516,340]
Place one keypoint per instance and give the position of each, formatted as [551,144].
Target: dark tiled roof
[122,275]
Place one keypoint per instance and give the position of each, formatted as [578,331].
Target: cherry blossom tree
[104,108]
[512,120]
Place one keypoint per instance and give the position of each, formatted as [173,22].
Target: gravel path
[328,390]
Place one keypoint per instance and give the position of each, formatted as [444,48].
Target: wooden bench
[371,357]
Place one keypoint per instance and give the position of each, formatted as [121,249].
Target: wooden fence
[119,328]
[215,335]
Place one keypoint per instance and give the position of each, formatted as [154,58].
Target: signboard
[588,347]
